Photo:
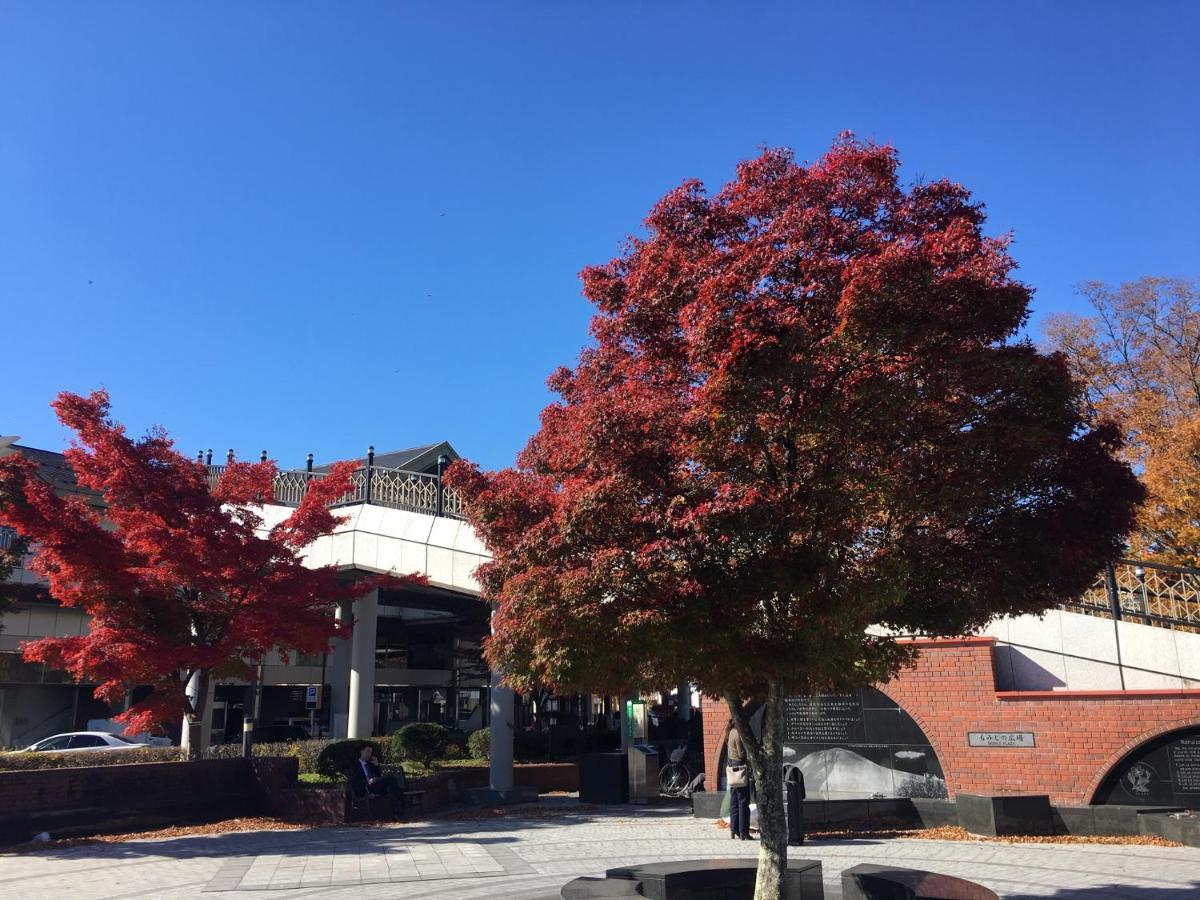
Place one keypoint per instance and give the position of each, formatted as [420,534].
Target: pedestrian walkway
[530,854]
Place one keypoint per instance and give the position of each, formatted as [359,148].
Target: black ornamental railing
[419,492]
[1145,592]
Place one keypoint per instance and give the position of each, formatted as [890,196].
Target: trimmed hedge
[456,745]
[421,742]
[307,752]
[74,759]
[480,744]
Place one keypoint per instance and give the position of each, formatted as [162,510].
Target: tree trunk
[766,765]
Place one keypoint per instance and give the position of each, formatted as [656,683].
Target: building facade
[414,655]
[1083,705]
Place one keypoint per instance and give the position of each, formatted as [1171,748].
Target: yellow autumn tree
[1138,358]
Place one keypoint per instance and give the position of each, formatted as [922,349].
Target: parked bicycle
[675,777]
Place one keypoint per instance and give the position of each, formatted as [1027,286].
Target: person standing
[737,780]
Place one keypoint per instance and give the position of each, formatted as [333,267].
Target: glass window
[80,741]
[59,742]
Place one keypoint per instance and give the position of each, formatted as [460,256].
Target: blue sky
[312,226]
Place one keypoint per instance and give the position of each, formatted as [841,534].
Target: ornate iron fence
[1145,592]
[395,488]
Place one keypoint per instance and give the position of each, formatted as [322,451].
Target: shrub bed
[307,752]
[19,761]
[421,742]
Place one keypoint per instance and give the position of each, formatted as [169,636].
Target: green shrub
[307,752]
[456,746]
[479,744]
[421,742]
[337,756]
[78,758]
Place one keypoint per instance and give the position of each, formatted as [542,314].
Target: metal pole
[442,462]
[370,466]
[1141,577]
[249,722]
[1114,604]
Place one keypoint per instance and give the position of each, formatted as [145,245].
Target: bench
[695,879]
[874,882]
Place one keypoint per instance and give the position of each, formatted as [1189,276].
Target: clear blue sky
[317,226]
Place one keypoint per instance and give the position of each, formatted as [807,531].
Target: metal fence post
[1114,599]
[370,466]
[442,462]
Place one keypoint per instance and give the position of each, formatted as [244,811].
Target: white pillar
[362,667]
[685,701]
[339,675]
[500,767]
[500,709]
[193,692]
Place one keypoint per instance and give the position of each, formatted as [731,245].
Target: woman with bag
[737,780]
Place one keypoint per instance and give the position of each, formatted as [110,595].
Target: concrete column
[501,707]
[361,721]
[685,701]
[339,675]
[500,711]
[193,692]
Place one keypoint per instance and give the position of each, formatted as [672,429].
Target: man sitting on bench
[367,778]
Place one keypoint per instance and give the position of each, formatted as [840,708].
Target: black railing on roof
[418,492]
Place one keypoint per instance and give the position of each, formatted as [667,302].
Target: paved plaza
[528,856]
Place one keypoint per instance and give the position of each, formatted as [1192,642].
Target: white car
[83,740]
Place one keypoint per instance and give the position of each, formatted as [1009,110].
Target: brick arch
[1159,730]
[918,716]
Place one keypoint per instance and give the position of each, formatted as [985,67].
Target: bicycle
[675,776]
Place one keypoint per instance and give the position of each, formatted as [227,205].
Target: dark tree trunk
[766,765]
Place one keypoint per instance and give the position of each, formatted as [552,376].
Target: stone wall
[951,690]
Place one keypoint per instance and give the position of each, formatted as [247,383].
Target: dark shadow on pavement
[455,825]
[1114,892]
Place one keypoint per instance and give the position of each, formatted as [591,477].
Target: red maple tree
[178,580]
[806,424]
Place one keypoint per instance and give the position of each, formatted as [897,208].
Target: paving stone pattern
[529,857]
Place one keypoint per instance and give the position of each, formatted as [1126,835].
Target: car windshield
[121,737]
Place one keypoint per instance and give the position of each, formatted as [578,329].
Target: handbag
[737,776]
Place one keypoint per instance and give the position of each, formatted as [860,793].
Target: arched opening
[856,745]
[1164,771]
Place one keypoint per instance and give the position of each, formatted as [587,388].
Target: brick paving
[530,855]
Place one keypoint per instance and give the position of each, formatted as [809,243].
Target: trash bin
[793,793]
[643,773]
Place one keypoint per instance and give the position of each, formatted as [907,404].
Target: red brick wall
[1080,735]
[150,784]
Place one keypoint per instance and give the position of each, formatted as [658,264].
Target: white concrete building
[415,653]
